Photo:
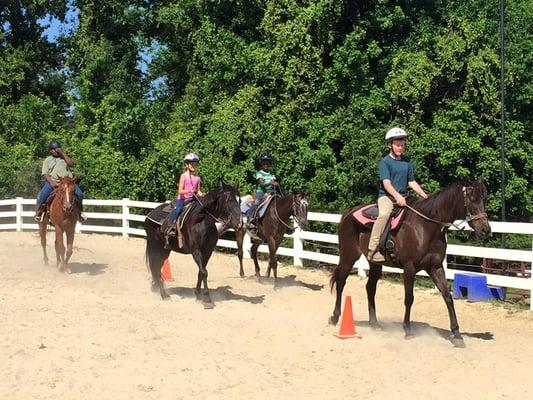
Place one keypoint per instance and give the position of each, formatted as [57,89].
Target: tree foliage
[137,84]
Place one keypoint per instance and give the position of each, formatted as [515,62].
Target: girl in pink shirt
[188,186]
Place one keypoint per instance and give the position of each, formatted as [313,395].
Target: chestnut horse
[420,244]
[63,214]
[272,227]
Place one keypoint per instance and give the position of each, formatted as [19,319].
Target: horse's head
[66,190]
[228,207]
[475,197]
[299,209]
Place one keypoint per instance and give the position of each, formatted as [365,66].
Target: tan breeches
[385,207]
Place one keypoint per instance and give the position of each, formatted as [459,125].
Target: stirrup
[82,217]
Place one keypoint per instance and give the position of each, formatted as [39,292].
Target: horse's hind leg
[156,254]
[439,278]
[239,238]
[253,253]
[374,274]
[349,252]
[42,234]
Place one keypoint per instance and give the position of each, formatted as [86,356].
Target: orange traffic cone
[166,275]
[347,329]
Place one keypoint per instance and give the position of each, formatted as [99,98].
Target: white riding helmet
[395,133]
[191,157]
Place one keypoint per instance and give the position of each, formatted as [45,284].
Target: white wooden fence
[21,219]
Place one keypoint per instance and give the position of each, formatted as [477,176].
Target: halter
[469,217]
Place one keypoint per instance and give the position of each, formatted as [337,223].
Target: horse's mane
[440,203]
[208,202]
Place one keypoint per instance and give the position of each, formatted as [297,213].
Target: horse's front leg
[408,284]
[42,234]
[273,259]
[60,248]
[439,278]
[373,277]
[70,242]
[201,261]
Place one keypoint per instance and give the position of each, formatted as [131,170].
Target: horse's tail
[349,252]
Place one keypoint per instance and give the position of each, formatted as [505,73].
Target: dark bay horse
[63,215]
[272,227]
[200,236]
[420,244]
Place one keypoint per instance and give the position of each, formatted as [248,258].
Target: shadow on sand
[221,293]
[419,328]
[285,281]
[87,268]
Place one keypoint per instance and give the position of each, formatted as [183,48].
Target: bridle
[294,208]
[468,218]
[65,195]
[225,222]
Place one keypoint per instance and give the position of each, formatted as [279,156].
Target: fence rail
[127,211]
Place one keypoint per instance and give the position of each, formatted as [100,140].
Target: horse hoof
[409,336]
[333,320]
[241,274]
[376,326]
[457,342]
[208,305]
[165,297]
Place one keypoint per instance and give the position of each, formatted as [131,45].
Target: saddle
[367,215]
[263,206]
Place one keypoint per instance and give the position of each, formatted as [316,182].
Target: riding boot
[168,228]
[82,217]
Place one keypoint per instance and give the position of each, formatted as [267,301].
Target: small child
[188,187]
[266,182]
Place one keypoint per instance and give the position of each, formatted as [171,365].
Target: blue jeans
[47,189]
[258,197]
[175,213]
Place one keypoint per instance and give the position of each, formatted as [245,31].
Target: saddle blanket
[367,215]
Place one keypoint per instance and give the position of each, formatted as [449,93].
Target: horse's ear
[75,179]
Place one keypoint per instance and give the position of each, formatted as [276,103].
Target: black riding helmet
[54,144]
[264,158]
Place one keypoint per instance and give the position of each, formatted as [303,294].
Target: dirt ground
[100,333]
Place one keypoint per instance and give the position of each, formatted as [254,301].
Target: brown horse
[63,215]
[420,244]
[272,227]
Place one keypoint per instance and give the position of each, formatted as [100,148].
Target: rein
[221,221]
[276,212]
[468,218]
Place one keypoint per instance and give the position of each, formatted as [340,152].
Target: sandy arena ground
[99,333]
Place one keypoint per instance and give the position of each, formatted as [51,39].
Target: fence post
[531,277]
[18,206]
[125,217]
[298,246]
[246,244]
